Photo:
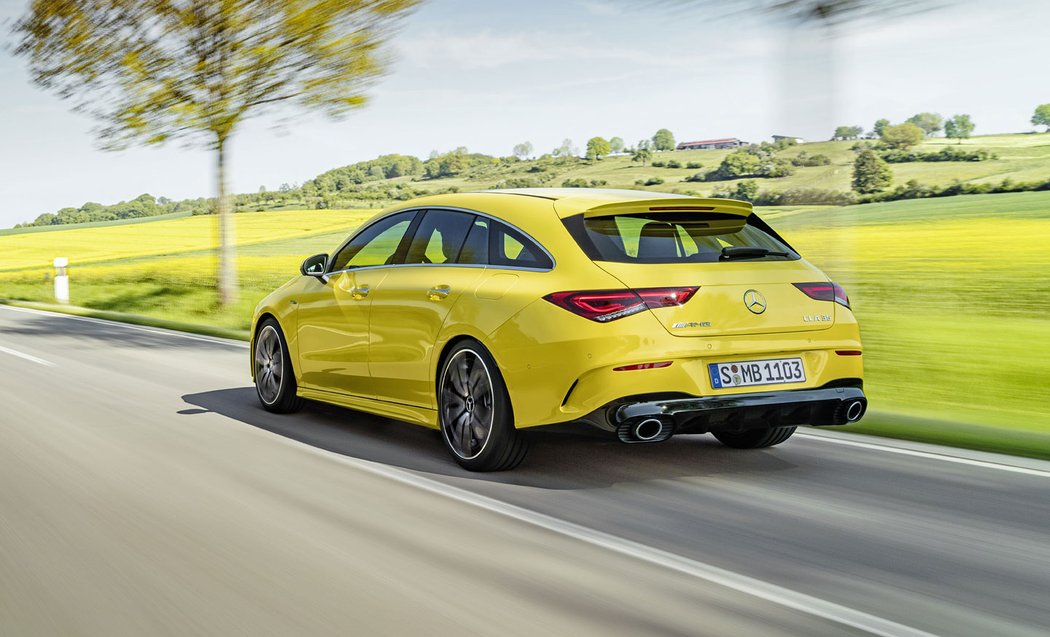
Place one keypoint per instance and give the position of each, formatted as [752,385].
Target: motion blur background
[899,146]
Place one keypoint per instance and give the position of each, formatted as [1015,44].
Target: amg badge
[682,326]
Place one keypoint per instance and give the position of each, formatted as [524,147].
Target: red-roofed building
[728,142]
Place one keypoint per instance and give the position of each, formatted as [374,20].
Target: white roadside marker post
[61,280]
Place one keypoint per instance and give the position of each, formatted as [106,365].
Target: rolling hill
[1021,158]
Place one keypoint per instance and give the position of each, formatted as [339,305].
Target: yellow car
[644,314]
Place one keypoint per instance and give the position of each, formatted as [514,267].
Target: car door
[411,304]
[334,315]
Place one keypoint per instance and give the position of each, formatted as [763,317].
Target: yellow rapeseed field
[170,236]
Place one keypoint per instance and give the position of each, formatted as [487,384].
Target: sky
[488,75]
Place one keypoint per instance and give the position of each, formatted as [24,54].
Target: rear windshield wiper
[748,252]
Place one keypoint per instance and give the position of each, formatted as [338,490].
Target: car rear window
[673,238]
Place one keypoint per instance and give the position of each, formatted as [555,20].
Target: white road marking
[735,581]
[28,357]
[130,326]
[984,464]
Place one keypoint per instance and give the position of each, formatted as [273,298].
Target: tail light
[608,305]
[825,291]
[637,366]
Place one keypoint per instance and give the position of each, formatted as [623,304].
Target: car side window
[510,248]
[439,237]
[378,244]
[475,249]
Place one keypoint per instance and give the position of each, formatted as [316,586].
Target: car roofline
[573,201]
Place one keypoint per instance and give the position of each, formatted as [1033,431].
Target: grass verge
[1014,442]
[133,319]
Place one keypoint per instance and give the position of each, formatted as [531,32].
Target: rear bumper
[739,412]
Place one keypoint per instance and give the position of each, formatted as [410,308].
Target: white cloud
[480,50]
[485,50]
[601,8]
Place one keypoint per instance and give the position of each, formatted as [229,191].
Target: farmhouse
[790,138]
[728,142]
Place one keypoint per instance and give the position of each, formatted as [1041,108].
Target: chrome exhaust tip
[651,429]
[854,410]
[648,429]
[849,411]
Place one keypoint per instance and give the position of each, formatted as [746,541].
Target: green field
[1021,158]
[951,293]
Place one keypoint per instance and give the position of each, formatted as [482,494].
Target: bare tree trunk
[227,284]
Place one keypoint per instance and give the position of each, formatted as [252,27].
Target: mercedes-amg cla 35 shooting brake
[647,315]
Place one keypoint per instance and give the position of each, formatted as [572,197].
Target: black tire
[474,411]
[274,378]
[755,438]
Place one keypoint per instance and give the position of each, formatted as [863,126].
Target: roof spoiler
[671,205]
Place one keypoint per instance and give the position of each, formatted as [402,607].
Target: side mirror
[315,266]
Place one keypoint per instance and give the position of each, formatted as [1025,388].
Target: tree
[930,123]
[448,164]
[642,154]
[870,173]
[616,145]
[155,70]
[1042,116]
[740,163]
[523,150]
[45,219]
[567,149]
[746,190]
[902,135]
[848,132]
[879,126]
[752,161]
[958,127]
[663,140]
[598,147]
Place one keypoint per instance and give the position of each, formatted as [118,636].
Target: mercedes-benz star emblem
[754,301]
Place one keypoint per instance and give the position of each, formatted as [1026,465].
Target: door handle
[359,292]
[438,293]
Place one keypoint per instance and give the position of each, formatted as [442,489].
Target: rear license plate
[765,372]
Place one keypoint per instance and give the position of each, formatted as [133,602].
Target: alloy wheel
[269,365]
[466,404]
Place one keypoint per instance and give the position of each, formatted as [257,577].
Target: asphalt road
[144,492]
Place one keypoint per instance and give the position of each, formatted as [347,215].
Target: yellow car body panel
[406,321]
[381,353]
[558,372]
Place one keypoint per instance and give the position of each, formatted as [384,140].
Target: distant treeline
[376,182]
[364,184]
[141,206]
[901,156]
[748,190]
